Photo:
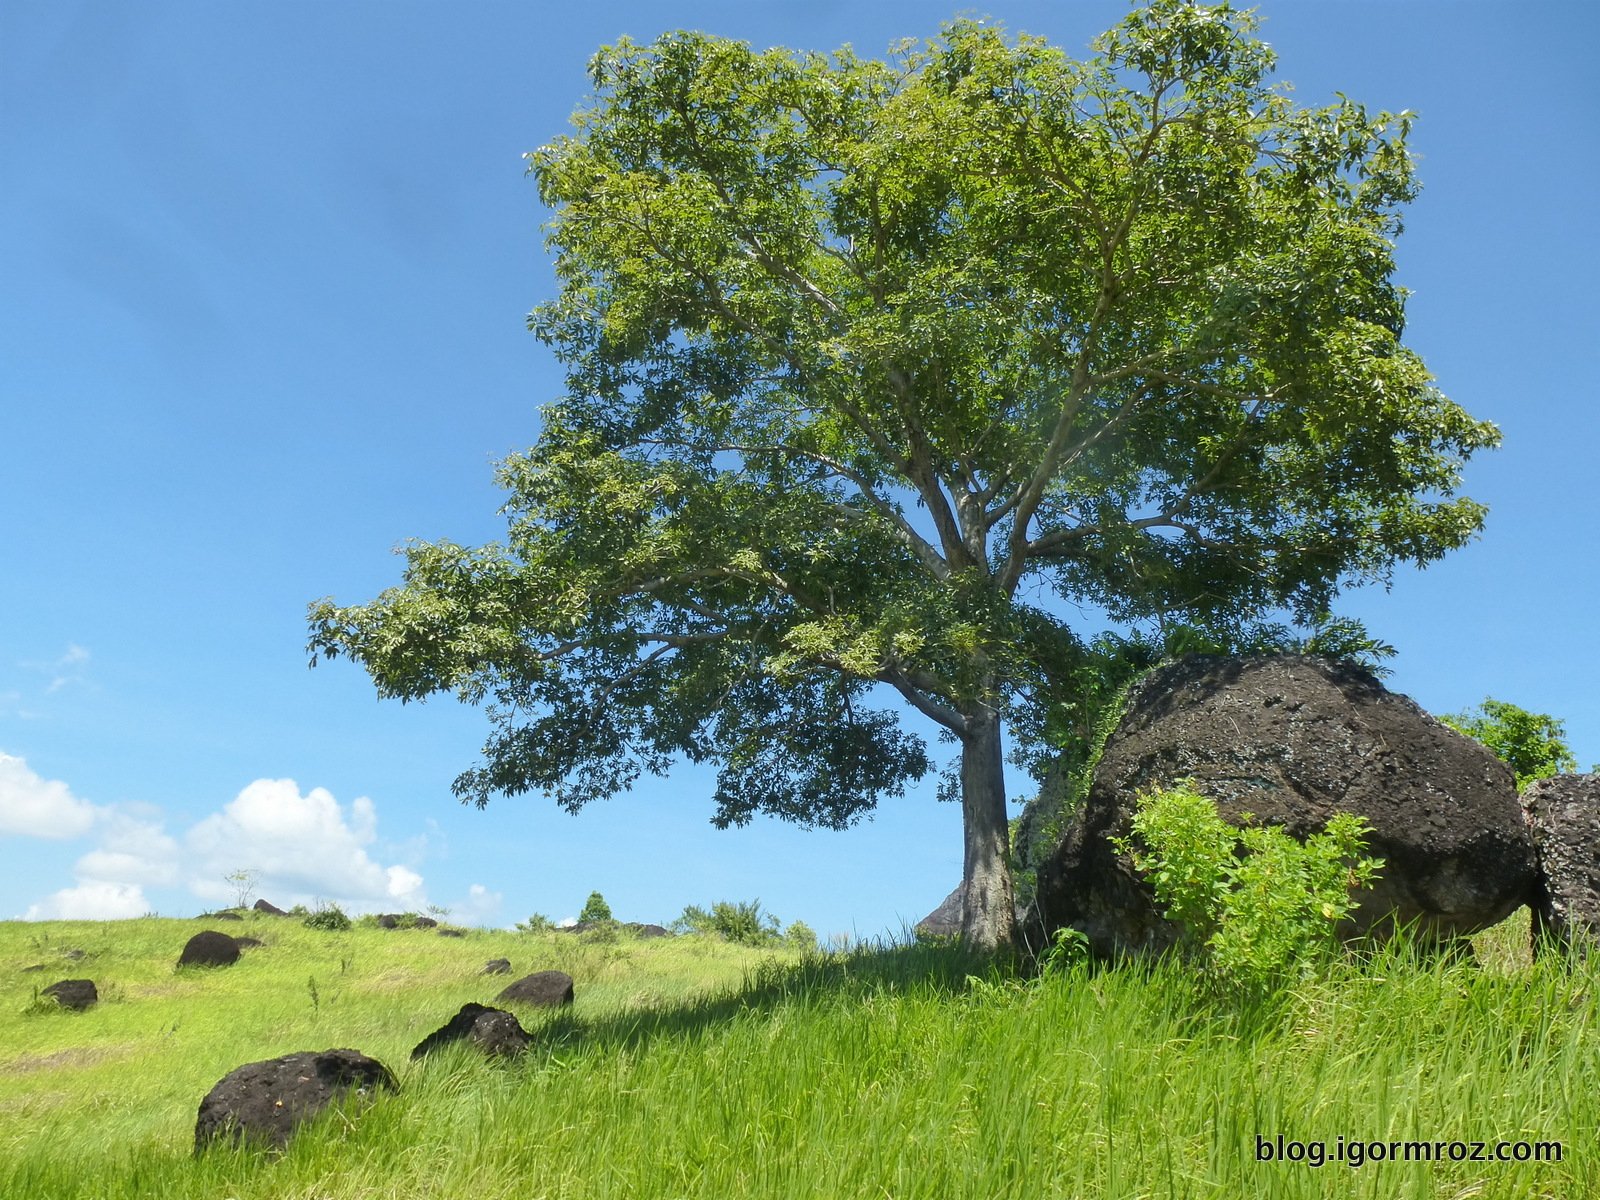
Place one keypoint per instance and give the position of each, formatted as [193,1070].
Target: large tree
[875,369]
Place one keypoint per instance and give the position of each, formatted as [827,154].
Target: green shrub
[329,917]
[1257,906]
[743,922]
[595,909]
[537,923]
[800,936]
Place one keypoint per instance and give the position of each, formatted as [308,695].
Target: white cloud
[404,883]
[481,905]
[69,668]
[305,847]
[35,807]
[91,901]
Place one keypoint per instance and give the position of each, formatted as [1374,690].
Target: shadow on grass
[930,968]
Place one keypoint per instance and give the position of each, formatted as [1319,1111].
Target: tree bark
[988,908]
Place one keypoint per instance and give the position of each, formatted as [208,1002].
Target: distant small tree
[243,882]
[1533,745]
[595,909]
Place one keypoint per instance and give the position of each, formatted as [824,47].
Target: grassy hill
[689,1067]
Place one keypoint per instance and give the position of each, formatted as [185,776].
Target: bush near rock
[76,994]
[1563,814]
[1294,740]
[209,949]
[545,989]
[493,1030]
[263,1102]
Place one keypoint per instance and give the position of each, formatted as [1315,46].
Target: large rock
[1563,815]
[76,994]
[263,1102]
[209,949]
[544,989]
[269,908]
[493,1030]
[1293,741]
[945,921]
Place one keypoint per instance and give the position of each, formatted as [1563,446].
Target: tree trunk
[988,909]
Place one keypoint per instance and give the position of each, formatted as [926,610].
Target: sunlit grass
[693,1068]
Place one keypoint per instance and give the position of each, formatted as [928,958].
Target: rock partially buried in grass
[262,1103]
[493,1030]
[497,966]
[545,989]
[268,907]
[209,949]
[76,994]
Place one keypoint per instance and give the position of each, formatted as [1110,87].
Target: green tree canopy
[873,368]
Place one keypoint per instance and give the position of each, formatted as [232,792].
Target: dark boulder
[641,929]
[388,920]
[269,908]
[493,1030]
[452,933]
[497,966]
[1293,741]
[546,989]
[263,1102]
[423,923]
[1563,814]
[76,994]
[209,949]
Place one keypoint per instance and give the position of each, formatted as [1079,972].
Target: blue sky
[264,269]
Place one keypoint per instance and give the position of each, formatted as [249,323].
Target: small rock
[271,909]
[263,1102]
[646,930]
[76,994]
[452,933]
[545,989]
[388,921]
[209,949]
[497,966]
[424,923]
[248,943]
[493,1030]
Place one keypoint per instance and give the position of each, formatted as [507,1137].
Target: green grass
[695,1068]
